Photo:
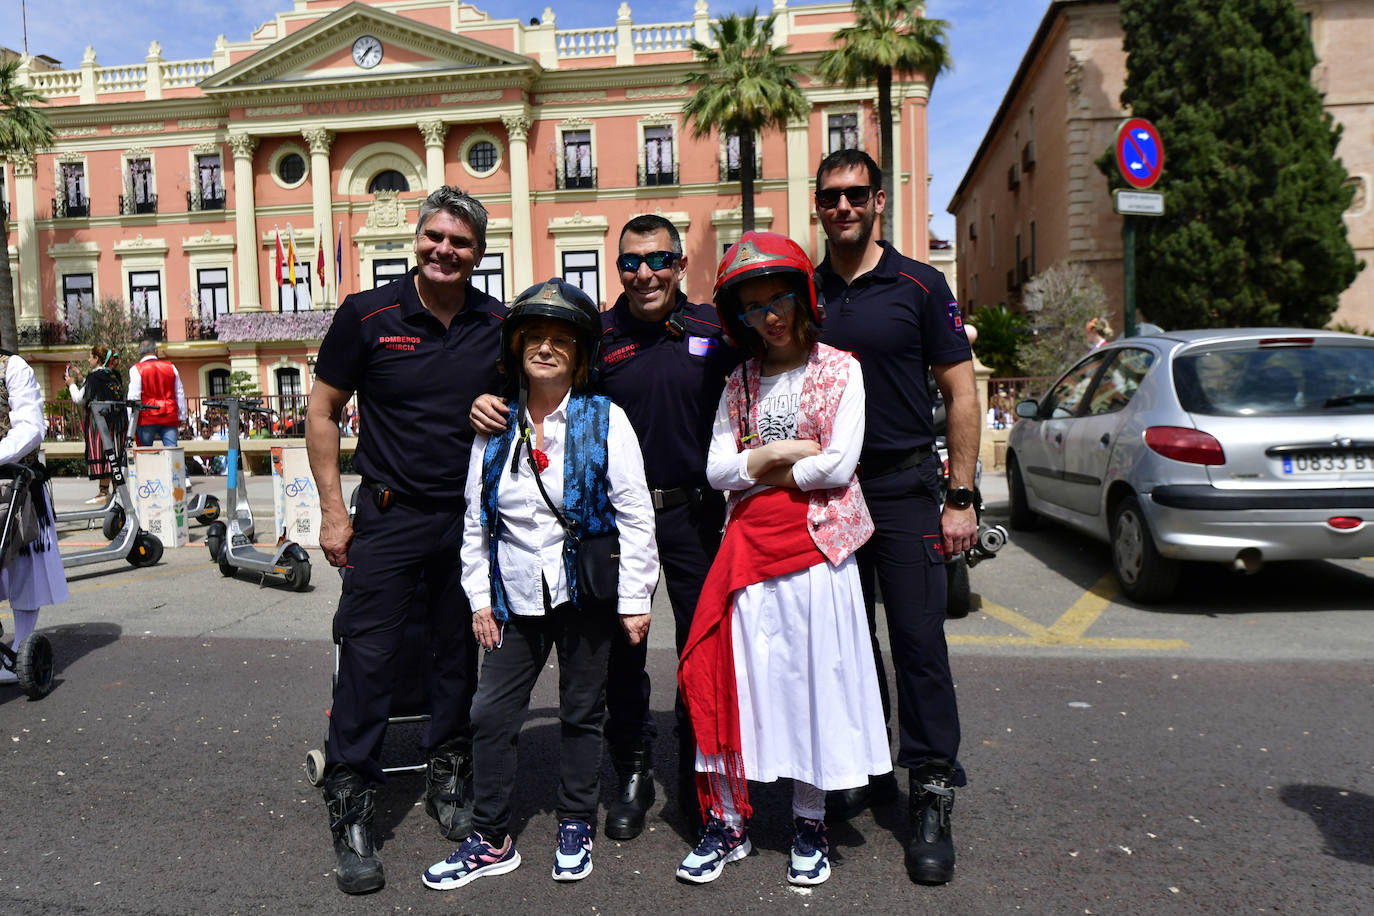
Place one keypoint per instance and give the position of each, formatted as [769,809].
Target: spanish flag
[291,253]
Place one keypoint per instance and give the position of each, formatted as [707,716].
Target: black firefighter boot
[634,769]
[930,852]
[448,788]
[349,800]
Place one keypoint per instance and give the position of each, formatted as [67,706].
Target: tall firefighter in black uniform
[664,362]
[898,317]
[415,351]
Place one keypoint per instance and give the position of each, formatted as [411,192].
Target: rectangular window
[212,288]
[490,278]
[140,196]
[210,182]
[844,132]
[732,158]
[219,382]
[78,295]
[388,270]
[4,200]
[297,298]
[580,269]
[577,159]
[145,297]
[289,383]
[659,165]
[75,194]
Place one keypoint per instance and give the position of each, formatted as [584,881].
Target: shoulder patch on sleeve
[956,319]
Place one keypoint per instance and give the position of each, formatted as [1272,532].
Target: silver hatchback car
[1234,445]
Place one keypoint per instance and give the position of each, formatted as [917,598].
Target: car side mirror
[1028,409]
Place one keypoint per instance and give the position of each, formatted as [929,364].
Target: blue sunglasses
[657,260]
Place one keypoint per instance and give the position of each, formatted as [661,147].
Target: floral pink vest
[838,518]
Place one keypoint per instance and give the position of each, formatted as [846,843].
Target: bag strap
[569,529]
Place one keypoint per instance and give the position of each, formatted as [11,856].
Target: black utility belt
[880,464]
[663,499]
[384,496]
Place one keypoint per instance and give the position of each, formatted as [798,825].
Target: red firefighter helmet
[762,254]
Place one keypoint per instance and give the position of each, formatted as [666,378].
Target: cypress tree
[1252,232]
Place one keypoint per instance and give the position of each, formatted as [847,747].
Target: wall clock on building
[367,52]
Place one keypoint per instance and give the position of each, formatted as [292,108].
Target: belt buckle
[656,497]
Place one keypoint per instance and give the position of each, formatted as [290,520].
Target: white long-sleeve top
[26,411]
[530,550]
[727,467]
[136,390]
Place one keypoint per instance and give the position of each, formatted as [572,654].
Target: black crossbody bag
[598,555]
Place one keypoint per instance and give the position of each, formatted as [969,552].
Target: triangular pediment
[321,54]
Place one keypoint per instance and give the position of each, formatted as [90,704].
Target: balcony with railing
[71,208]
[201,329]
[565,182]
[195,201]
[67,332]
[731,171]
[137,204]
[271,326]
[658,176]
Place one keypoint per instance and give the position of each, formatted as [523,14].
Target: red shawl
[765,538]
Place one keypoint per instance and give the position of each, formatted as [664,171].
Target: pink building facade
[172,181]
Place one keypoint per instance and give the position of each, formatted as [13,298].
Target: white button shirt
[530,550]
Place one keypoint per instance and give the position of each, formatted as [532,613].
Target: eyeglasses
[657,260]
[780,306]
[560,343]
[858,196]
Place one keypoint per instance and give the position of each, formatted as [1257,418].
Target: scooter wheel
[225,567]
[959,599]
[33,666]
[314,767]
[211,510]
[214,539]
[146,551]
[297,573]
[114,522]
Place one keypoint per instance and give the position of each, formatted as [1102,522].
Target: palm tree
[24,128]
[888,37]
[747,86]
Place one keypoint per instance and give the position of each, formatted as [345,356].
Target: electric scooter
[128,541]
[31,660]
[231,542]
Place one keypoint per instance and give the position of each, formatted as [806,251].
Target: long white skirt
[36,579]
[809,705]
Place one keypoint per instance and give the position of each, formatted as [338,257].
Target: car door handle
[1058,438]
[1106,439]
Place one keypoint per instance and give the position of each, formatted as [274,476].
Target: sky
[987,41]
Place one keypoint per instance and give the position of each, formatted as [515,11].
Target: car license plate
[1328,462]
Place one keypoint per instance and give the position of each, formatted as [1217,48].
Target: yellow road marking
[96,586]
[1068,630]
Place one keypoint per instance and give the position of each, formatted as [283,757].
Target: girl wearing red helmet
[778,673]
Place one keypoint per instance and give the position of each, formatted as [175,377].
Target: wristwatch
[960,497]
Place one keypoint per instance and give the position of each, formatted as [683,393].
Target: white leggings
[807,801]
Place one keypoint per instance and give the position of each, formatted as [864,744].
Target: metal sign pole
[1128,268]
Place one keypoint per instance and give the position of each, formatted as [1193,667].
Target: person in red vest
[157,384]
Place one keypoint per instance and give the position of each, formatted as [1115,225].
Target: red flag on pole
[338,260]
[279,257]
[319,256]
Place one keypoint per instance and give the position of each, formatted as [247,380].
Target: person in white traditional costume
[33,577]
[778,673]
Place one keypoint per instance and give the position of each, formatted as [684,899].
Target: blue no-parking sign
[1139,152]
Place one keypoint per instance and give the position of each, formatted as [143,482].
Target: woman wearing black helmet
[569,470]
[778,672]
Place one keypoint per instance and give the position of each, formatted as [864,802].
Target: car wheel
[1145,575]
[960,597]
[1020,514]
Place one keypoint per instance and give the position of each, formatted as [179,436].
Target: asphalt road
[1208,756]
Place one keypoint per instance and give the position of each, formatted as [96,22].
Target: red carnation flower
[541,460]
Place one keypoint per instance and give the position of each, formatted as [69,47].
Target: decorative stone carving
[387,211]
[243,145]
[574,123]
[24,165]
[318,139]
[517,125]
[434,132]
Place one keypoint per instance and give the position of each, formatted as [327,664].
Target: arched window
[389,180]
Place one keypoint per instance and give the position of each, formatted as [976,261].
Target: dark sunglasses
[657,260]
[858,196]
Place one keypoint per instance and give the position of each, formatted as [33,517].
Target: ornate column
[321,202]
[799,198]
[522,233]
[245,222]
[25,217]
[434,132]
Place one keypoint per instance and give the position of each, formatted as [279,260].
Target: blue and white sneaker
[809,862]
[717,845]
[475,858]
[572,860]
